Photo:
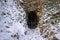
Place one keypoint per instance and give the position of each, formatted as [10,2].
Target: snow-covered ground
[13,24]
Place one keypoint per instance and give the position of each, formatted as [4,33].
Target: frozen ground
[13,23]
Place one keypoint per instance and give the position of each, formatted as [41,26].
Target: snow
[58,36]
[13,24]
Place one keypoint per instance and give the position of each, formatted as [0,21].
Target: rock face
[31,5]
[33,9]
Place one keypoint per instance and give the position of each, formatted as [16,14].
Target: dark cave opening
[32,20]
